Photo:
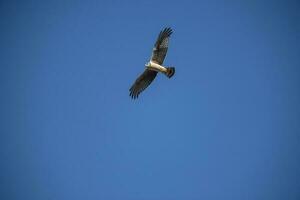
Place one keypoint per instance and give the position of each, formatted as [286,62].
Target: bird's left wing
[142,82]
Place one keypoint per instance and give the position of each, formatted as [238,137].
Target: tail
[170,72]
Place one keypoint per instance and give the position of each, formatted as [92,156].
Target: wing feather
[142,82]
[160,49]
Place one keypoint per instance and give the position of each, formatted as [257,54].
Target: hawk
[154,65]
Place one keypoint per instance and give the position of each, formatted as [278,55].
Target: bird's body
[154,66]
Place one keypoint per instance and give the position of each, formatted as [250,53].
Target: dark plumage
[161,46]
[142,82]
[158,55]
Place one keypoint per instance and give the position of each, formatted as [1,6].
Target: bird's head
[147,64]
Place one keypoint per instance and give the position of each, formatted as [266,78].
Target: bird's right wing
[160,49]
[142,82]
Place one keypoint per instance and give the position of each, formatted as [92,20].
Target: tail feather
[170,72]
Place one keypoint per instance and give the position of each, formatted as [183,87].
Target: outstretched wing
[142,82]
[161,46]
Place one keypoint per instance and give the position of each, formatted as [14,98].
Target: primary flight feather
[154,65]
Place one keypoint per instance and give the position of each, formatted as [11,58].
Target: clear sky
[226,126]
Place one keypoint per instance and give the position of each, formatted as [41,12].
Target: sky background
[226,126]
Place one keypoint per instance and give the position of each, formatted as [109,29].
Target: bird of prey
[154,65]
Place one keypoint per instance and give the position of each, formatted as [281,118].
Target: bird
[154,66]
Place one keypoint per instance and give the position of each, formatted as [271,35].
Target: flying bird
[154,65]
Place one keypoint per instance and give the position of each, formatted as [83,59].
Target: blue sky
[226,126]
